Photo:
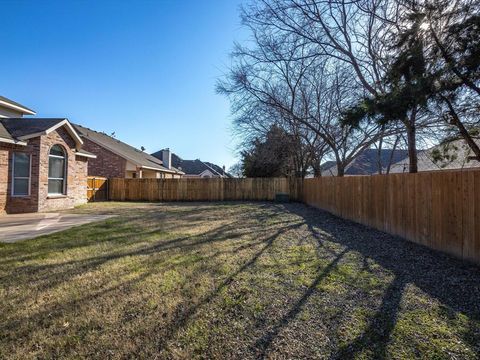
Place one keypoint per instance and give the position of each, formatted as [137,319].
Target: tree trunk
[389,166]
[317,168]
[340,170]
[463,131]
[379,155]
[466,136]
[412,143]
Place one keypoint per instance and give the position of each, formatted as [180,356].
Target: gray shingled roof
[192,167]
[122,149]
[3,98]
[328,168]
[366,163]
[13,129]
[456,155]
[18,127]
[219,170]
[4,133]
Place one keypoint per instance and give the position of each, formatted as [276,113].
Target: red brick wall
[3,177]
[39,200]
[107,164]
[22,203]
[76,176]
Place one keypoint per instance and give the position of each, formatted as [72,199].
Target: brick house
[116,159]
[43,165]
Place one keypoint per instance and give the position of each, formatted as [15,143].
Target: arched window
[57,163]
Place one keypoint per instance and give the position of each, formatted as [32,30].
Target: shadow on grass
[183,317]
[377,335]
[453,282]
[262,345]
[50,275]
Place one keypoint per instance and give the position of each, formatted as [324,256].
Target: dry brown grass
[232,280]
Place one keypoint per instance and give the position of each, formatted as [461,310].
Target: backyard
[233,280]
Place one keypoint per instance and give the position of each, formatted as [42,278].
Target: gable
[22,129]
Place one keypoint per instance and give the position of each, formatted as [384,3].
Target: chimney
[167,158]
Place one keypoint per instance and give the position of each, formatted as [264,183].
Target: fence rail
[440,210]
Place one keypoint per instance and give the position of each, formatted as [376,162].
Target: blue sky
[145,70]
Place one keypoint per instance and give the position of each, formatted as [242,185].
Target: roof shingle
[122,149]
[18,127]
[192,167]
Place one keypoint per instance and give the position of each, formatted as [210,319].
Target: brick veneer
[39,200]
[107,164]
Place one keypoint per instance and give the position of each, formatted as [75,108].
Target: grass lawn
[233,280]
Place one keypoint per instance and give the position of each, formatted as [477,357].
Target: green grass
[232,280]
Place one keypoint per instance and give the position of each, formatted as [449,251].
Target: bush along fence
[440,210]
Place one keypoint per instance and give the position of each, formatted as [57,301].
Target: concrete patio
[28,226]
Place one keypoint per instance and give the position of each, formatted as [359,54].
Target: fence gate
[97,188]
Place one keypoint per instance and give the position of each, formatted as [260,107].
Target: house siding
[107,164]
[38,200]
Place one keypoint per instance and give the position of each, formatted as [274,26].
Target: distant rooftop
[368,162]
[192,167]
[5,102]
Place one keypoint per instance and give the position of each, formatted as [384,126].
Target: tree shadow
[262,345]
[183,316]
[452,282]
[381,325]
[55,274]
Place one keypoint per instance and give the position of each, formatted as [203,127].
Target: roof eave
[13,141]
[157,169]
[22,109]
[90,156]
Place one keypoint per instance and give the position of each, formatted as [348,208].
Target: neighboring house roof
[328,168]
[193,167]
[134,155]
[15,106]
[453,155]
[218,169]
[17,130]
[367,162]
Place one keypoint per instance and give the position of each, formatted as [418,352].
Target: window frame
[22,177]
[64,179]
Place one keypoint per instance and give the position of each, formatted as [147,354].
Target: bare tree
[353,33]
[305,94]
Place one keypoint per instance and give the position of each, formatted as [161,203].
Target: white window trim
[22,177]
[64,190]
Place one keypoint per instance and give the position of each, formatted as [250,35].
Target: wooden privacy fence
[97,188]
[439,209]
[195,189]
